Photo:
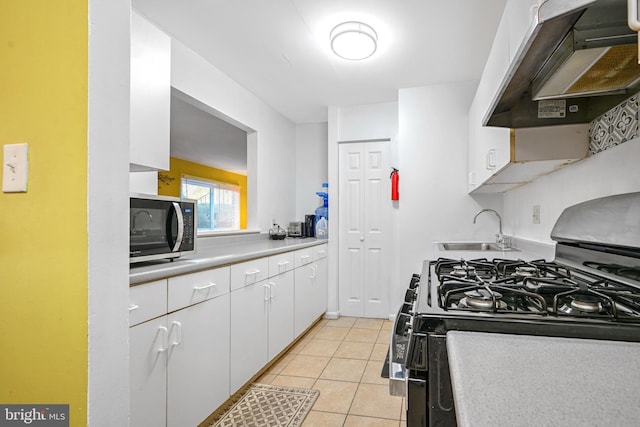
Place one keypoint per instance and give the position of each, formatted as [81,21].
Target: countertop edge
[192,264]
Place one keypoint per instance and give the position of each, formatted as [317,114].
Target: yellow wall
[43,233]
[169,181]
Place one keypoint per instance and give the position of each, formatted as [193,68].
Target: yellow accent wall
[43,232]
[169,181]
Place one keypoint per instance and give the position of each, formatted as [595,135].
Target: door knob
[362,238]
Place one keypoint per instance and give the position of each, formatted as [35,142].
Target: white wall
[271,146]
[614,171]
[311,167]
[434,204]
[108,207]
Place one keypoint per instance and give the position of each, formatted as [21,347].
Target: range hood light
[353,40]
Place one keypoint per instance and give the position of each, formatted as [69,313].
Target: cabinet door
[280,312]
[304,313]
[320,287]
[148,344]
[249,309]
[150,96]
[198,367]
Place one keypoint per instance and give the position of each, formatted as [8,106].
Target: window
[218,203]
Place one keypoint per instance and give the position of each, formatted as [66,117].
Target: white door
[365,221]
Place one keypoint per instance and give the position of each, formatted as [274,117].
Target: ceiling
[279,49]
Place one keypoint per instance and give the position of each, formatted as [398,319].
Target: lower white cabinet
[310,288]
[196,339]
[197,382]
[148,343]
[179,359]
[280,313]
[261,325]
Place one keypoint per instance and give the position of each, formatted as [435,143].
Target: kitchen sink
[472,246]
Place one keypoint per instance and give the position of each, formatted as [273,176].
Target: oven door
[398,346]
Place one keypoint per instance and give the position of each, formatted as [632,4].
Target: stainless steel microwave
[161,227]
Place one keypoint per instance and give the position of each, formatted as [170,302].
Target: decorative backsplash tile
[614,127]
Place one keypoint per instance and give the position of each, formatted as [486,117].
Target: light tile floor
[343,359]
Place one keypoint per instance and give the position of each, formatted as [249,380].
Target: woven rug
[267,405]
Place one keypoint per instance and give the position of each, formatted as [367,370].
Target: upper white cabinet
[529,153]
[503,158]
[150,96]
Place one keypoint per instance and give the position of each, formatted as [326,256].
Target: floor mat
[267,405]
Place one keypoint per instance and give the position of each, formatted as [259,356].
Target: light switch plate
[15,168]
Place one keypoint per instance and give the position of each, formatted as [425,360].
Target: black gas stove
[531,288]
[591,290]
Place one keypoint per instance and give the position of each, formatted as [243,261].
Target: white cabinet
[529,153]
[249,308]
[196,339]
[310,286]
[148,373]
[501,158]
[261,315]
[198,360]
[179,361]
[150,96]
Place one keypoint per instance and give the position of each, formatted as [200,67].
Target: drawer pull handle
[200,288]
[305,259]
[251,273]
[283,263]
[133,307]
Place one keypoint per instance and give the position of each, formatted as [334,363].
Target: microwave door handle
[180,235]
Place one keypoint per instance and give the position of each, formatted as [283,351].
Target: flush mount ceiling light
[353,40]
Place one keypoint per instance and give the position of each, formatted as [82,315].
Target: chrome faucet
[501,241]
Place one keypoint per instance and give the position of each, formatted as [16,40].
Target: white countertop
[218,251]
[519,380]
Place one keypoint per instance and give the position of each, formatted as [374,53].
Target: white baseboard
[331,315]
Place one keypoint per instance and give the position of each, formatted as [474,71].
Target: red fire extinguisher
[395,182]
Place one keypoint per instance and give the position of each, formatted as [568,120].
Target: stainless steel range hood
[580,61]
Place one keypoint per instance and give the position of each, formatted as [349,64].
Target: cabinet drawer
[249,272]
[320,252]
[147,301]
[303,256]
[197,287]
[280,263]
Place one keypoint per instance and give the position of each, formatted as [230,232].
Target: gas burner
[582,304]
[482,299]
[464,271]
[526,271]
